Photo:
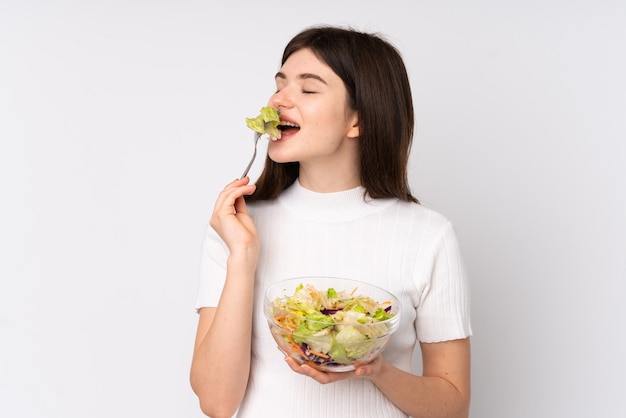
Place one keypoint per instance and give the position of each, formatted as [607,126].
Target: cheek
[327,124]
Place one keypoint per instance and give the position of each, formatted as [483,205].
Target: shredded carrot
[317,353]
[295,346]
[297,349]
[280,324]
[279,320]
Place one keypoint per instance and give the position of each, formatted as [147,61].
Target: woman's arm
[443,390]
[221,358]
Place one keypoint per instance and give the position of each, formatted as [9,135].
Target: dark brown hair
[378,90]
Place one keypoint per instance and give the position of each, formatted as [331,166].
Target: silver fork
[257,136]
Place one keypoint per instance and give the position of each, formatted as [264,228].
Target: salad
[266,122]
[330,327]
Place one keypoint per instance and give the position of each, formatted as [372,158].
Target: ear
[354,131]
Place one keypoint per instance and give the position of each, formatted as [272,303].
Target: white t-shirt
[403,247]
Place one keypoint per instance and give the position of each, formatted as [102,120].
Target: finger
[227,197]
[293,364]
[297,366]
[239,182]
[233,185]
[240,203]
[311,372]
[362,371]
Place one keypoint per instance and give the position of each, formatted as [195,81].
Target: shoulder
[423,225]
[421,213]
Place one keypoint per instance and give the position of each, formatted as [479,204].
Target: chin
[281,158]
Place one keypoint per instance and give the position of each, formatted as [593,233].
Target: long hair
[378,89]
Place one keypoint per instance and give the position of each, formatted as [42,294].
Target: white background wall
[121,120]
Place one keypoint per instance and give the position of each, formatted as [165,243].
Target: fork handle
[257,136]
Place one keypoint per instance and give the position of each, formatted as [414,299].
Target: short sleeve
[443,312]
[212,269]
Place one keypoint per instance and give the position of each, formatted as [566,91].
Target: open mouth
[288,127]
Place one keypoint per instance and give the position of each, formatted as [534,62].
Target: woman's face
[312,98]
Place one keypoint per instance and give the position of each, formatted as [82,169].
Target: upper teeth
[285,123]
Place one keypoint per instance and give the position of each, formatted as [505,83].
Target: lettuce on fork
[266,122]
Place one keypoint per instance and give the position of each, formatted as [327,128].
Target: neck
[331,175]
[328,180]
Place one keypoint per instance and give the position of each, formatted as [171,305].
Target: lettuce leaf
[319,341]
[266,122]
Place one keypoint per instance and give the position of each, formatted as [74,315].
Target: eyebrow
[303,76]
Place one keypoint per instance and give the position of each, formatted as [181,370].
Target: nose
[281,100]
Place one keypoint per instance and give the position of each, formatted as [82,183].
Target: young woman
[333,200]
